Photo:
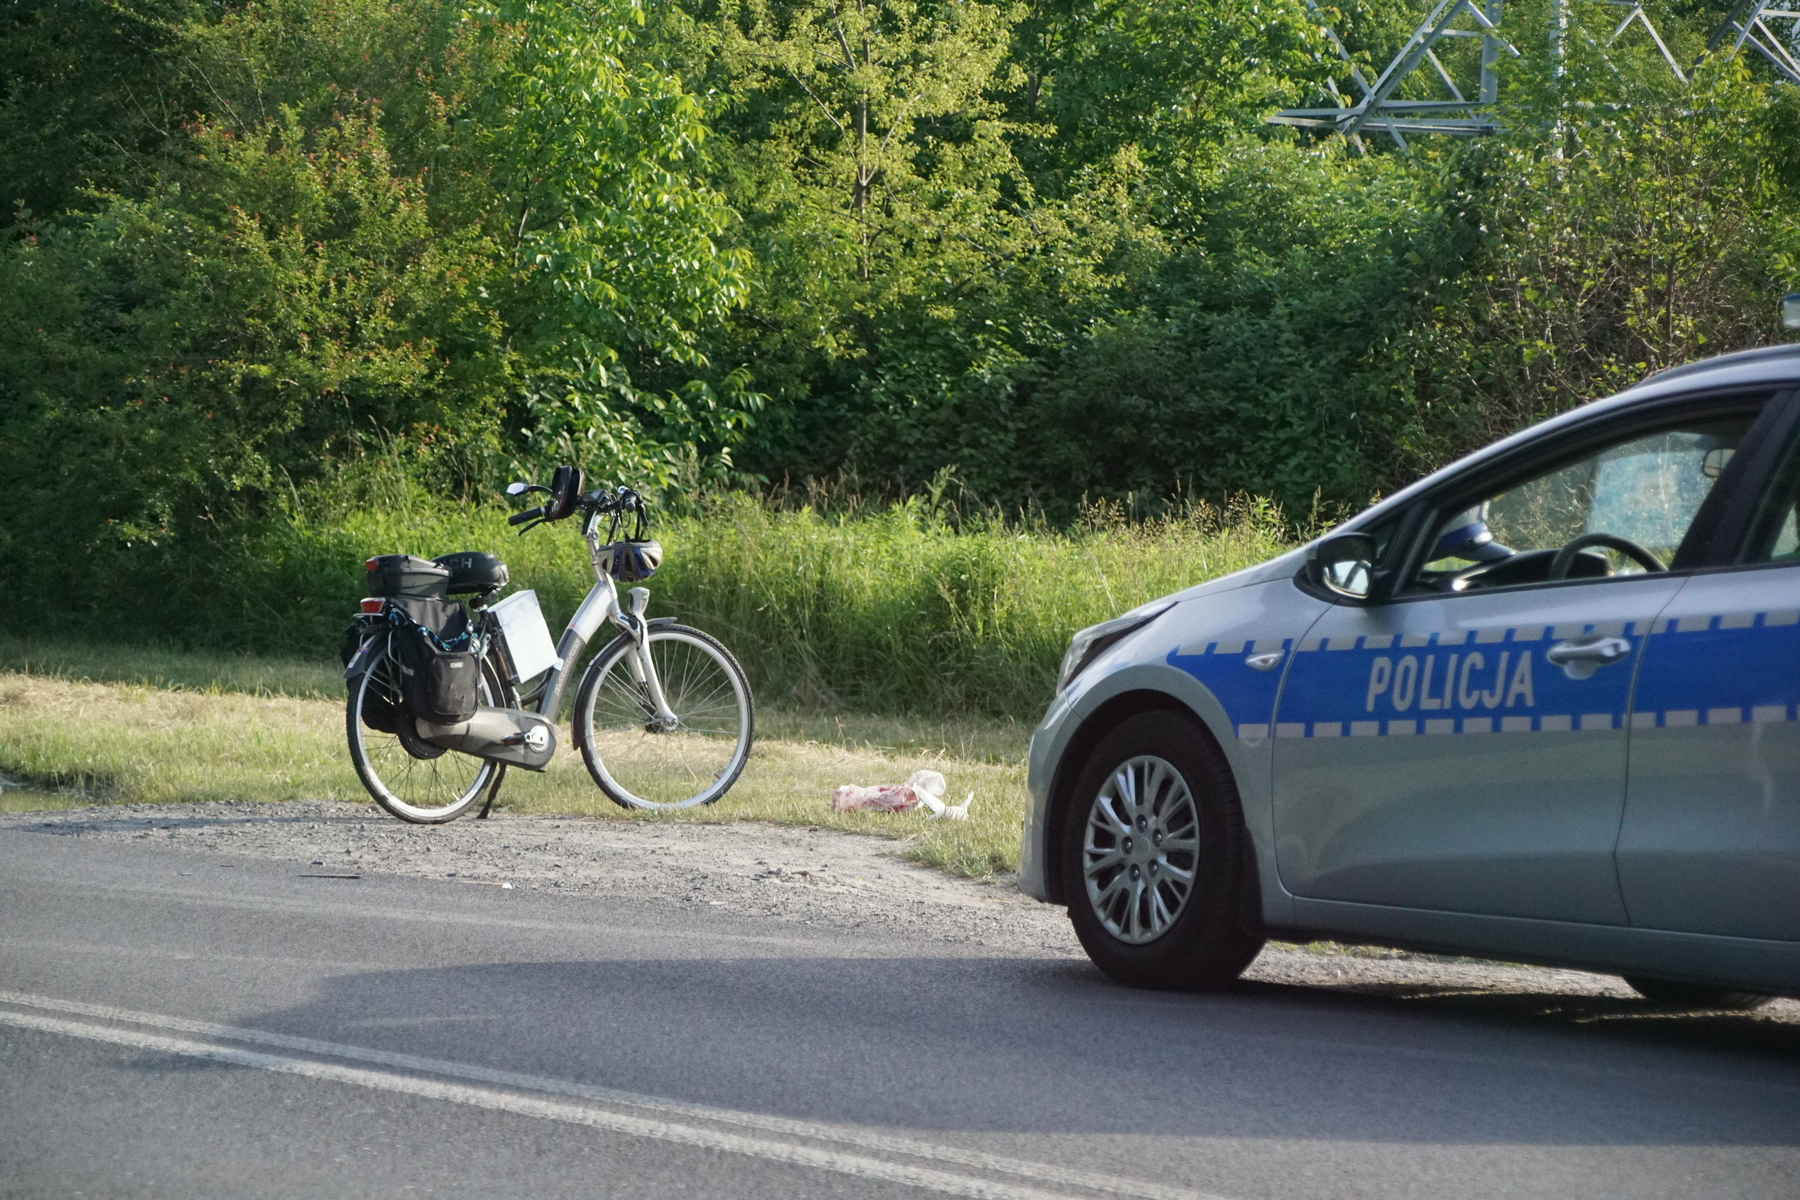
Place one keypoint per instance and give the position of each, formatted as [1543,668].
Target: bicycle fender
[359,662]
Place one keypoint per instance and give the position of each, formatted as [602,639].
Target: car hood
[1282,566]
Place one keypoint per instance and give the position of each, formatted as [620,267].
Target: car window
[1786,547]
[1382,532]
[1774,534]
[1645,490]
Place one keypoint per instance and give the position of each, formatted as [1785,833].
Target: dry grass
[163,666]
[75,741]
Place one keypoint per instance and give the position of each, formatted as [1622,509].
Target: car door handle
[1581,657]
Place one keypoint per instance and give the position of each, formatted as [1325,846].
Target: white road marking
[644,1116]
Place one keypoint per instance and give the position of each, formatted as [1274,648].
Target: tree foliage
[1633,241]
[306,224]
[1047,248]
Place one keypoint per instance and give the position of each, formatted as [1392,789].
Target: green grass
[892,610]
[164,665]
[218,727]
[877,642]
[895,611]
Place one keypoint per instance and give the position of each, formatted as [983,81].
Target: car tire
[1154,802]
[1671,994]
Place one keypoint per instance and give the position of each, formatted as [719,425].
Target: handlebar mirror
[565,490]
[517,489]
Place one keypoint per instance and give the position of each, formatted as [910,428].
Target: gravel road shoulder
[788,873]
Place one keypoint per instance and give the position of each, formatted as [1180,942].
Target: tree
[1173,79]
[1629,224]
[877,105]
[472,232]
[611,238]
[213,338]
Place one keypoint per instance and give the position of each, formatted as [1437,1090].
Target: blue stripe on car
[1240,689]
[1727,668]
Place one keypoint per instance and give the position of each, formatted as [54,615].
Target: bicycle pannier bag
[440,685]
[378,709]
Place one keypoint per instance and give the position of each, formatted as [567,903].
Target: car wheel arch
[1115,711]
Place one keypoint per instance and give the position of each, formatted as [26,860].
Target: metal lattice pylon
[1752,23]
[1638,15]
[1376,110]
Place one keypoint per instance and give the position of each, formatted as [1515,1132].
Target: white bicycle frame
[600,608]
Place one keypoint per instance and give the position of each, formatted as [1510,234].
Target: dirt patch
[816,876]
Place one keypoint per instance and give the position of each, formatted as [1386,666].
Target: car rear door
[1462,746]
[1710,841]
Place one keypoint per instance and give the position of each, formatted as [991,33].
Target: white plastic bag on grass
[924,788]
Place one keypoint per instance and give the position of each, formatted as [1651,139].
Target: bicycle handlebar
[600,500]
[597,502]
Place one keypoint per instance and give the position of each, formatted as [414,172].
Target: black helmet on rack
[632,560]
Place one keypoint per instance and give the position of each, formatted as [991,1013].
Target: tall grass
[899,610]
[905,608]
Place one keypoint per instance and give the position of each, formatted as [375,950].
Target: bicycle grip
[530,514]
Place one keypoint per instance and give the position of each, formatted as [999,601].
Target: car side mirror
[1345,565]
[1790,311]
[1712,464]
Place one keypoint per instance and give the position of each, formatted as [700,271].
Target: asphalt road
[181,1024]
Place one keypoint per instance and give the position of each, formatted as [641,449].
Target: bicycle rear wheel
[634,759]
[410,778]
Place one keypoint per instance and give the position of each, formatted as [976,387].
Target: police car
[1539,706]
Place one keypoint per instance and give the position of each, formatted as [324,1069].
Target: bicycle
[664,717]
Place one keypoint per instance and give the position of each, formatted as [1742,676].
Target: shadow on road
[1012,1045]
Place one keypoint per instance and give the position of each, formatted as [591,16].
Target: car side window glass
[1630,502]
[1774,533]
[1787,541]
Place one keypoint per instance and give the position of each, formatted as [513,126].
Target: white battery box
[528,642]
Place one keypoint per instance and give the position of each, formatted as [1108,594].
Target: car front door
[1711,836]
[1461,747]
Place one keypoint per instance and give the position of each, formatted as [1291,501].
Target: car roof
[1725,373]
[1764,364]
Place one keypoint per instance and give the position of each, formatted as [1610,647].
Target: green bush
[315,225]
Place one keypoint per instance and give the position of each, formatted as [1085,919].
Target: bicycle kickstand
[493,790]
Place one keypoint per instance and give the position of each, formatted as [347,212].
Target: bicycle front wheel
[412,779]
[636,759]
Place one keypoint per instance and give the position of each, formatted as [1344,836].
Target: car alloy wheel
[1153,853]
[1141,849]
